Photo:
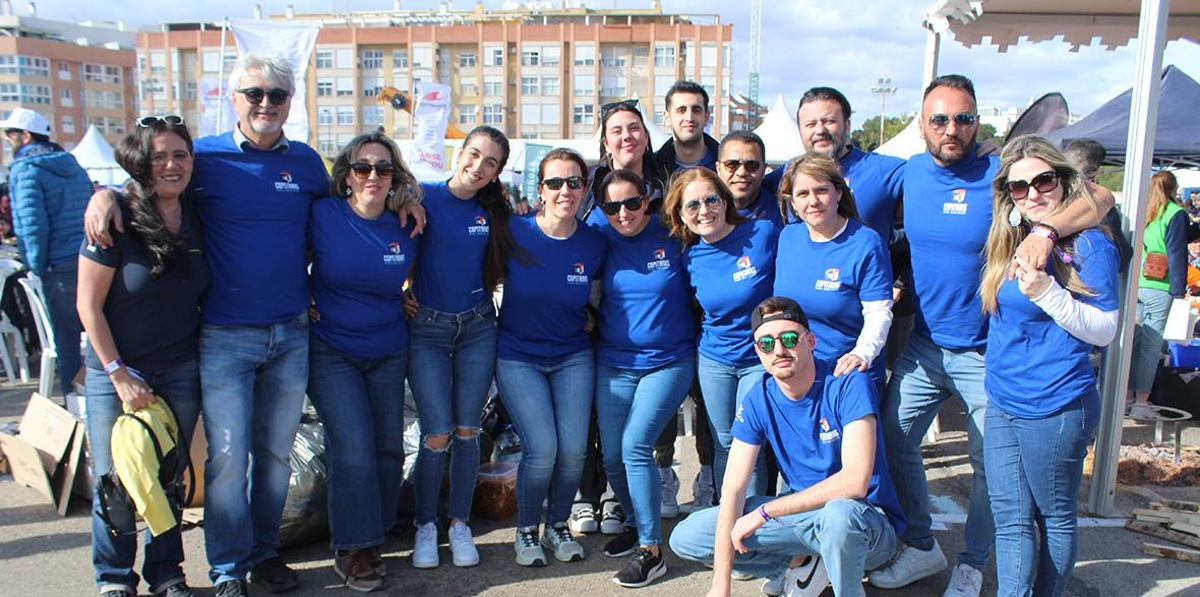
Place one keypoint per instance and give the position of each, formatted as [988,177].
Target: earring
[349,191]
[391,192]
[1014,218]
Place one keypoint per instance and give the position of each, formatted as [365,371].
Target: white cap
[26,120]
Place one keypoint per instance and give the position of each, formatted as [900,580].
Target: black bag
[117,508]
[1177,387]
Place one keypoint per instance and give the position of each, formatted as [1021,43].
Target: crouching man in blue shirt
[842,516]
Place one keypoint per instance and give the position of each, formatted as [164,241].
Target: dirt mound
[1152,465]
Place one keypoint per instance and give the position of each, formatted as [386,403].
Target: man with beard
[687,115]
[741,166]
[947,214]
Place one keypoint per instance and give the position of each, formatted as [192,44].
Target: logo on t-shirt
[285,183]
[746,269]
[830,282]
[828,435]
[578,277]
[660,261]
[957,207]
[479,228]
[393,256]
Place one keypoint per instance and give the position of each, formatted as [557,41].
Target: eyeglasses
[732,166]
[940,121]
[766,344]
[611,107]
[1044,183]
[255,95]
[363,170]
[572,182]
[613,208]
[693,206]
[169,119]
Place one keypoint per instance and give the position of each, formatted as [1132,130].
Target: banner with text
[431,115]
[290,41]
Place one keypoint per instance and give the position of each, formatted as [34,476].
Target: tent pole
[1143,116]
[933,50]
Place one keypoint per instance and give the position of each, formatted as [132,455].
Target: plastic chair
[41,318]
[10,333]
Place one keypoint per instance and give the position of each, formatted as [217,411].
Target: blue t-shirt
[1035,367]
[874,178]
[765,207]
[544,308]
[358,273]
[831,280]
[806,434]
[947,213]
[646,319]
[731,277]
[449,275]
[254,206]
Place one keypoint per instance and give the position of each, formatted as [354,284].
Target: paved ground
[42,554]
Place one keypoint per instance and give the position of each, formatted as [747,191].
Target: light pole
[883,89]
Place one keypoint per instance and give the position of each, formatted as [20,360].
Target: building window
[664,55]
[495,57]
[326,146]
[190,90]
[68,124]
[612,86]
[325,116]
[37,94]
[708,55]
[65,100]
[64,73]
[34,66]
[345,87]
[613,56]
[422,57]
[93,73]
[550,114]
[466,114]
[112,74]
[371,86]
[10,92]
[585,85]
[529,57]
[345,115]
[585,55]
[584,114]
[324,87]
[493,86]
[531,114]
[466,59]
[551,55]
[8,65]
[324,58]
[467,87]
[549,85]
[529,85]
[400,58]
[493,114]
[371,59]
[344,58]
[372,115]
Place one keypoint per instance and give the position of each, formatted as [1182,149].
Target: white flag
[290,41]
[431,115]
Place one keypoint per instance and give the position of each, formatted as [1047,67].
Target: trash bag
[306,511]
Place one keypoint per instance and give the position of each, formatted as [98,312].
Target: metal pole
[221,77]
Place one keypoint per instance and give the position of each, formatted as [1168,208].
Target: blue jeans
[550,406]
[632,408]
[723,387]
[361,404]
[113,557]
[851,536]
[1034,470]
[1152,308]
[923,378]
[59,287]
[452,358]
[253,380]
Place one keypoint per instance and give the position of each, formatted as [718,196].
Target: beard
[949,157]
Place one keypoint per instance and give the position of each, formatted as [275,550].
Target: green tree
[867,137]
[987,131]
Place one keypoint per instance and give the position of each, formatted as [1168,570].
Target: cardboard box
[47,453]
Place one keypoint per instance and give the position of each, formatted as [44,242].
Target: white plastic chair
[10,333]
[41,318]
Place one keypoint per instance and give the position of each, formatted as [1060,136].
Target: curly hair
[134,152]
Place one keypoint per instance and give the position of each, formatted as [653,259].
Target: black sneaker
[274,576]
[232,588]
[179,589]
[643,569]
[623,544]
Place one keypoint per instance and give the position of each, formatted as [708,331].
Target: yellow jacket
[136,462]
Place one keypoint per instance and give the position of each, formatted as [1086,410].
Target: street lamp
[883,89]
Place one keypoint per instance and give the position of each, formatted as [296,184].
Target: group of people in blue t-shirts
[621,289]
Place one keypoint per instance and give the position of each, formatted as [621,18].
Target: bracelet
[1045,231]
[762,511]
[112,367]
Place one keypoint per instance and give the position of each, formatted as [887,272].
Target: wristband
[762,511]
[112,367]
[1045,231]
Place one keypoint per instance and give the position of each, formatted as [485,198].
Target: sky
[848,44]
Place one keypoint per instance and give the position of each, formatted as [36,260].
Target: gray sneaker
[670,492]
[559,541]
[528,548]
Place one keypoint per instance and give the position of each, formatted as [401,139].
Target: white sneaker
[806,580]
[670,492]
[583,519]
[965,581]
[773,587]
[612,522]
[909,565]
[529,550]
[559,541]
[1142,411]
[425,549]
[462,546]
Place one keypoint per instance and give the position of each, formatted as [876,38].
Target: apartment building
[73,74]
[534,70]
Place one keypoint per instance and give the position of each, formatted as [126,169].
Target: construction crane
[755,44]
[400,101]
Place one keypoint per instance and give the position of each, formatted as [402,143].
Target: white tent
[778,132]
[96,156]
[906,144]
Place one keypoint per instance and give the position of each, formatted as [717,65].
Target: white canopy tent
[1081,22]
[96,156]
[779,133]
[906,143]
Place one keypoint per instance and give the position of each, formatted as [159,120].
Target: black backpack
[117,509]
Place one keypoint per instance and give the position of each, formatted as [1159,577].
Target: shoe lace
[527,538]
[560,534]
[962,578]
[642,556]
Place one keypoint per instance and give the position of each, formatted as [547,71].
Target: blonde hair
[1163,187]
[1003,238]
[816,166]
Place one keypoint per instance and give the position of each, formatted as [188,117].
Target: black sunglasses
[572,182]
[613,208]
[766,344]
[363,170]
[940,121]
[693,206]
[1044,183]
[169,119]
[751,166]
[255,95]
[611,107]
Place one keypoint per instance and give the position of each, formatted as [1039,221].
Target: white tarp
[96,156]
[778,132]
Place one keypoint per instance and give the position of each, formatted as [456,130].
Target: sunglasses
[1044,183]
[169,119]
[732,166]
[255,95]
[940,121]
[613,208]
[766,344]
[693,206]
[611,107]
[363,170]
[572,182]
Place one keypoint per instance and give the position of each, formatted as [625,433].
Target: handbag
[1181,322]
[1155,266]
